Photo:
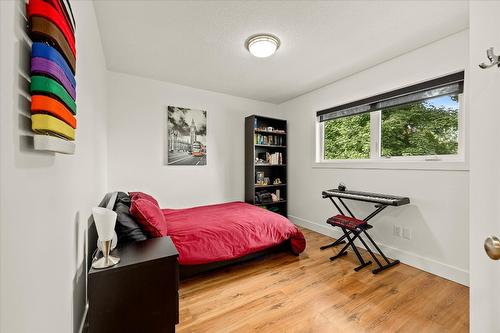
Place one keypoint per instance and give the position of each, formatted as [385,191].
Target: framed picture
[259,178]
[186,137]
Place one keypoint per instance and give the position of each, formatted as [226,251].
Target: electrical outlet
[406,233]
[396,230]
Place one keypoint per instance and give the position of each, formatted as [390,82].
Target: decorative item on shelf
[266,180]
[264,197]
[275,197]
[277,181]
[278,195]
[51,27]
[105,220]
[259,178]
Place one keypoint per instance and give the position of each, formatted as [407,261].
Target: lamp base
[103,263]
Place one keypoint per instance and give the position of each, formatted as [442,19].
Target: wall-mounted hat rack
[51,27]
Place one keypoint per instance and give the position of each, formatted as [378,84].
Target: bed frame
[185,271]
[188,271]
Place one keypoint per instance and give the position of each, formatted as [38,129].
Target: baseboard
[426,264]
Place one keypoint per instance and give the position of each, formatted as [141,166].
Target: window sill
[395,164]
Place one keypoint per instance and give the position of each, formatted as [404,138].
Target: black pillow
[126,228]
[123,198]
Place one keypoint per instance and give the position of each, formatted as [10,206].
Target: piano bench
[347,222]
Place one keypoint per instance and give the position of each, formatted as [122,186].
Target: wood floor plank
[309,293]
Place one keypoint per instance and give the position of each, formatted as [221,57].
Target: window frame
[456,162]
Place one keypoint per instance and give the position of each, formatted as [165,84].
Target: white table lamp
[105,220]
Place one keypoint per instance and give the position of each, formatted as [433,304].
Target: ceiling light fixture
[262,45]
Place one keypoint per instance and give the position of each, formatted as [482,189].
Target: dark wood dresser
[140,293]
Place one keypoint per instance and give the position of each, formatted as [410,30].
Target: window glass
[347,138]
[426,128]
[419,129]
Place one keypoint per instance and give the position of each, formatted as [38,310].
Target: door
[484,148]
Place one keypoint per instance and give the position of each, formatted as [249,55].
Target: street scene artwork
[186,136]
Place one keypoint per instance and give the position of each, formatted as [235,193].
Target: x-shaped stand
[357,235]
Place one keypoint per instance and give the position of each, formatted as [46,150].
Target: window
[421,121]
[421,129]
[347,137]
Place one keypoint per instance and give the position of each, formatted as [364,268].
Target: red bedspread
[227,231]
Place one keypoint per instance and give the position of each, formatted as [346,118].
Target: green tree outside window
[417,129]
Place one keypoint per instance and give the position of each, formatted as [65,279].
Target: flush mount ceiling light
[262,45]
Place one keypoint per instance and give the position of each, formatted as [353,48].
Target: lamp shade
[105,220]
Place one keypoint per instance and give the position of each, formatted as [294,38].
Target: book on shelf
[272,159]
[267,139]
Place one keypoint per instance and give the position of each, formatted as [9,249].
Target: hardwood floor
[308,293]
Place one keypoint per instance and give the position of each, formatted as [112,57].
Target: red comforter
[226,231]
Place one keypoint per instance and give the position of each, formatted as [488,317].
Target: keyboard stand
[357,235]
[341,239]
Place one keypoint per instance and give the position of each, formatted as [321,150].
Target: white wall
[438,214]
[137,108]
[484,166]
[46,198]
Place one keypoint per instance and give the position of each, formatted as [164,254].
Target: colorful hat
[53,68]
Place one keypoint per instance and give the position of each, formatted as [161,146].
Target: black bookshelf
[266,139]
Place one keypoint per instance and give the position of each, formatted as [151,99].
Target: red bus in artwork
[197,149]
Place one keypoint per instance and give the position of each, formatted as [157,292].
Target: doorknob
[492,247]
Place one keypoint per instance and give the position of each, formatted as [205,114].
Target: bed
[214,236]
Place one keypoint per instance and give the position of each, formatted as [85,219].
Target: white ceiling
[201,44]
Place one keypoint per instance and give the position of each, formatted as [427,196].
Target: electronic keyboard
[383,199]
